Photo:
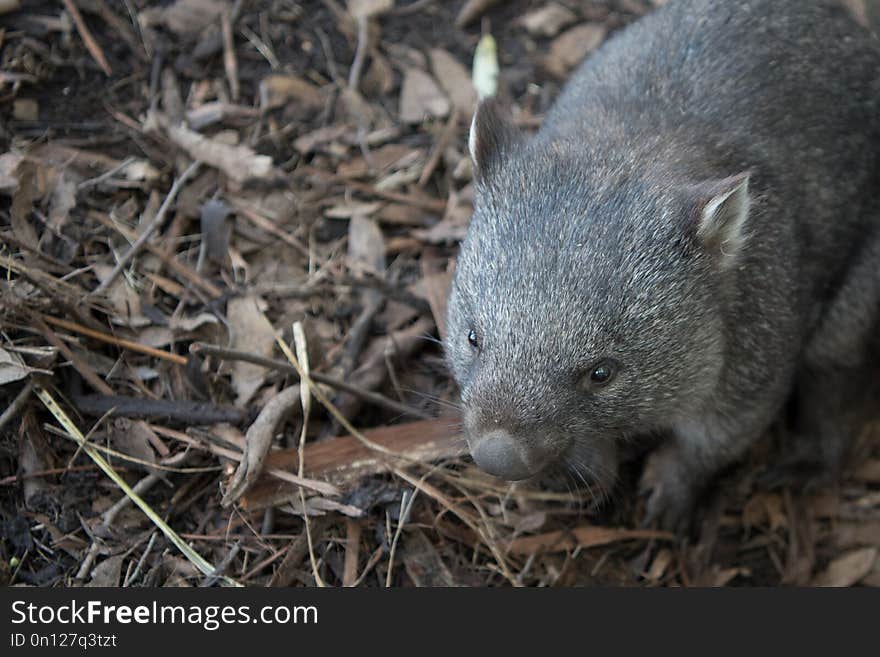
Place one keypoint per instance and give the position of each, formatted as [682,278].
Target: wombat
[689,242]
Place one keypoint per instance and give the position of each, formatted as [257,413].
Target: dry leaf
[530,523]
[366,246]
[423,563]
[453,226]
[349,210]
[124,299]
[434,287]
[278,90]
[34,456]
[8,164]
[548,20]
[31,186]
[848,569]
[379,78]
[107,573]
[381,161]
[472,10]
[421,98]
[253,334]
[133,439]
[140,170]
[368,8]
[185,17]
[25,109]
[216,230]
[238,162]
[311,140]
[12,368]
[455,80]
[572,46]
[659,565]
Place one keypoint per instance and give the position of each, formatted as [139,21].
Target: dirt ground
[202,203]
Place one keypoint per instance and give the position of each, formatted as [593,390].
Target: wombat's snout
[498,453]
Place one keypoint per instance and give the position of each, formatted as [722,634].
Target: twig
[126,457]
[344,460]
[269,226]
[472,10]
[445,137]
[258,442]
[211,579]
[302,353]
[109,516]
[261,46]
[352,550]
[413,8]
[119,342]
[83,29]
[354,75]
[154,225]
[431,204]
[137,569]
[14,479]
[466,518]
[85,370]
[17,403]
[122,29]
[380,283]
[331,407]
[357,334]
[9,238]
[319,486]
[286,572]
[368,396]
[92,182]
[230,63]
[183,271]
[182,410]
[406,504]
[194,557]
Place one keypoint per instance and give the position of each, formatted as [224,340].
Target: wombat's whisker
[600,475]
[434,398]
[575,489]
[430,338]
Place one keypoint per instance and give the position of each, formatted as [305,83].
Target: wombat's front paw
[670,491]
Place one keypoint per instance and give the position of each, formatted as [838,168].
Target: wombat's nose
[496,452]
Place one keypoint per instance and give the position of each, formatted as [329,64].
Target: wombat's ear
[722,210]
[492,135]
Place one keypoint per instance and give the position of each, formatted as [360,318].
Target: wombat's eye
[474,339]
[601,374]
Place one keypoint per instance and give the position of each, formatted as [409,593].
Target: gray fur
[590,241]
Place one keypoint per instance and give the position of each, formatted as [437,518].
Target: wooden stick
[283,366]
[186,273]
[153,226]
[345,459]
[119,342]
[84,33]
[230,63]
[85,370]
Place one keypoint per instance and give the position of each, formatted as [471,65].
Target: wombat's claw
[670,498]
[670,513]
